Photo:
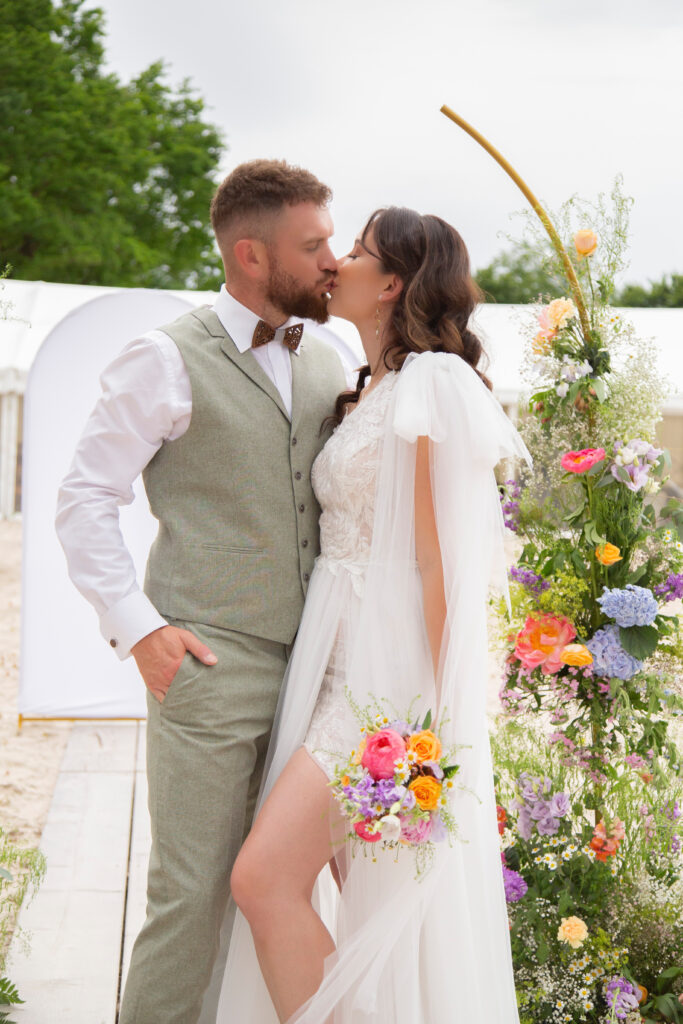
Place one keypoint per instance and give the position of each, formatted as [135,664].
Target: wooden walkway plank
[70,975]
[136,901]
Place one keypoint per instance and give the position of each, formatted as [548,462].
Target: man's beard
[291,297]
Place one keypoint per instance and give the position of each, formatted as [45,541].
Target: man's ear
[251,256]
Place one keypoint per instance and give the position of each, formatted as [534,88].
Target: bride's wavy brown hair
[432,312]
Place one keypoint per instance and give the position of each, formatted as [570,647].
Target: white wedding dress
[409,951]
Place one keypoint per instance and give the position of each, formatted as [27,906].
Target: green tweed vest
[238,520]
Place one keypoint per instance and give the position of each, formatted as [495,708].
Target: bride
[411,537]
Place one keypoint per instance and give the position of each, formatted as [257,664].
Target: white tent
[53,352]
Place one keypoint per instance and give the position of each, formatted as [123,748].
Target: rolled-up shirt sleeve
[146,400]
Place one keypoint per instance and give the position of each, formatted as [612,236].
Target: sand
[29,757]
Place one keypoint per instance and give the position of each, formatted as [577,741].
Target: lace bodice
[344,478]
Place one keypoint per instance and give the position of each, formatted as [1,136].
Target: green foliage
[101,182]
[517,276]
[667,292]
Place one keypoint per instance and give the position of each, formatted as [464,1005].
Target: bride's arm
[428,553]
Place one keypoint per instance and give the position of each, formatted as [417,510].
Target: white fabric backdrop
[66,667]
[67,670]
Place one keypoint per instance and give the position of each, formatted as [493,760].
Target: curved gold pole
[536,206]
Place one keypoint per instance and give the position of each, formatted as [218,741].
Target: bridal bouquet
[394,788]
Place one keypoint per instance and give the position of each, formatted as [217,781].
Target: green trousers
[206,747]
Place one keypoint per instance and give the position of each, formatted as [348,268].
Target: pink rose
[581,462]
[416,832]
[362,831]
[541,641]
[381,750]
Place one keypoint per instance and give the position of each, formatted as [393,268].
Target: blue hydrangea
[632,606]
[609,657]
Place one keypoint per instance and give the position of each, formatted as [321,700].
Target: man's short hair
[255,192]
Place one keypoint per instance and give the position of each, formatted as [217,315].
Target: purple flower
[515,886]
[609,657]
[388,793]
[539,810]
[534,584]
[509,493]
[636,458]
[621,996]
[524,824]
[548,826]
[632,606]
[402,728]
[434,767]
[672,588]
[559,805]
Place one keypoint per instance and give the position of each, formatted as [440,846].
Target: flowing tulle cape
[436,949]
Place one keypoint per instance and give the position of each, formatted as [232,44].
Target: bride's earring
[378,319]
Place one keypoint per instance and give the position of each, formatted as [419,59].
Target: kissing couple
[324,545]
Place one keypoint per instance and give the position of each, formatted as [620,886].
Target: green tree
[518,275]
[101,182]
[667,292]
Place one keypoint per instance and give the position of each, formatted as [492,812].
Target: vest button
[293,440]
[302,507]
[306,577]
[113,642]
[304,543]
[297,475]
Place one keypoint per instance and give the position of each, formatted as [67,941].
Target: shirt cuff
[126,622]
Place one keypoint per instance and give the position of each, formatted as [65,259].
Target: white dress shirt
[146,400]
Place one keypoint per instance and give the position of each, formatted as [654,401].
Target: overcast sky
[571,93]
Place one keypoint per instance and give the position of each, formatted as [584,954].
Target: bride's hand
[159,655]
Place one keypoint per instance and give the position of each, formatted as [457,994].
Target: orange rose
[576,654]
[585,243]
[425,744]
[427,792]
[608,554]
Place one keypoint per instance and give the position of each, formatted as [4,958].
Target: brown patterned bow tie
[263,333]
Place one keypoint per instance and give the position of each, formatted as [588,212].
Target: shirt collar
[241,322]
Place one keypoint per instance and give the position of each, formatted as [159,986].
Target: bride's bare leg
[272,881]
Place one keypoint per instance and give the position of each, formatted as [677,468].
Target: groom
[221,411]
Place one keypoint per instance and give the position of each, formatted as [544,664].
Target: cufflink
[113,642]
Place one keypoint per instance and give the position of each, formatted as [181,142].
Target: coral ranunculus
[381,750]
[608,554]
[542,640]
[581,462]
[585,243]
[426,791]
[577,655]
[425,745]
[501,815]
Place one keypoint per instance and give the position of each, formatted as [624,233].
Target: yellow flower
[585,243]
[427,792]
[573,931]
[358,756]
[576,654]
[560,312]
[608,554]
